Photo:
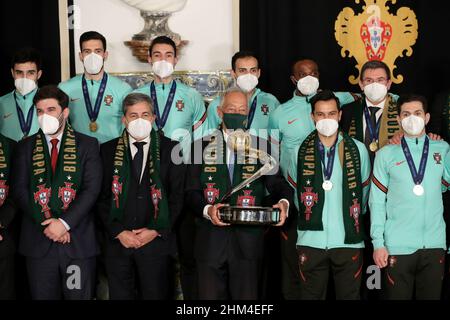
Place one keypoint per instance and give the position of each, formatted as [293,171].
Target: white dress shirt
[230,158]
[377,115]
[134,151]
[50,147]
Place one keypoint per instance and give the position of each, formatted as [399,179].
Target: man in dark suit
[57,179]
[7,223]
[229,257]
[141,199]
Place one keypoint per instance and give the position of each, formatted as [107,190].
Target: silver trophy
[240,142]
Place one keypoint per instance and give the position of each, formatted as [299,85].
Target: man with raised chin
[407,226]
[96,96]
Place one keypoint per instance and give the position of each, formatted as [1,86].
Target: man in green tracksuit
[407,225]
[96,97]
[331,174]
[18,118]
[289,125]
[246,72]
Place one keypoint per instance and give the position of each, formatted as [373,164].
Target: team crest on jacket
[116,189]
[437,158]
[109,100]
[156,196]
[355,212]
[247,200]
[211,193]
[67,194]
[180,105]
[265,109]
[309,199]
[42,197]
[4,190]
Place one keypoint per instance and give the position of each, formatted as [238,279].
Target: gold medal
[93,126]
[373,146]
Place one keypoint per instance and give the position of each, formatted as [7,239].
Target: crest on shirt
[309,199]
[156,196]
[42,197]
[116,189]
[265,109]
[180,105]
[355,212]
[437,158]
[67,194]
[211,193]
[4,189]
[109,100]
[247,200]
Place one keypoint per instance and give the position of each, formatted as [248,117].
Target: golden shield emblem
[376,34]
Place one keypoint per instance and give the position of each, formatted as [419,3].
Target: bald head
[304,68]
[234,101]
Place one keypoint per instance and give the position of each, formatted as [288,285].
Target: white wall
[206,24]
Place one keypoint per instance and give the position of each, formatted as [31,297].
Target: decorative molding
[210,84]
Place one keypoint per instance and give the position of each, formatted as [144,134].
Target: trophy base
[254,216]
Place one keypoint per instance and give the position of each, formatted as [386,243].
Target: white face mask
[413,125]
[93,63]
[375,92]
[139,129]
[25,86]
[163,69]
[247,82]
[308,85]
[327,127]
[49,124]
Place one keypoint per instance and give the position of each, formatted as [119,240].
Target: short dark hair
[25,55]
[92,35]
[375,64]
[411,97]
[242,55]
[162,40]
[324,95]
[135,98]
[303,58]
[52,92]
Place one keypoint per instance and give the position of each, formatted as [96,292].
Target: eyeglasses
[379,80]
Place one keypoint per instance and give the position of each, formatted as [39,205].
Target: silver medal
[327,185]
[418,190]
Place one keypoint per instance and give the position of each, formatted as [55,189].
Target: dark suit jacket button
[140,197]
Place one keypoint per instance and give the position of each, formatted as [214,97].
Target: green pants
[420,273]
[315,266]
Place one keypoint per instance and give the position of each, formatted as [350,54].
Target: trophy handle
[269,163]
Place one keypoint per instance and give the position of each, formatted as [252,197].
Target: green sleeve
[345,97]
[213,119]
[377,200]
[446,177]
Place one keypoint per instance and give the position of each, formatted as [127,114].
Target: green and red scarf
[52,194]
[159,219]
[214,175]
[4,169]
[311,195]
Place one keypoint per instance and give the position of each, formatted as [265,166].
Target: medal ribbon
[417,176]
[328,168]
[24,126]
[93,113]
[252,112]
[161,122]
[374,132]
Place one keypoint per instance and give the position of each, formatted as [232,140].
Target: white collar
[49,139]
[133,140]
[379,105]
